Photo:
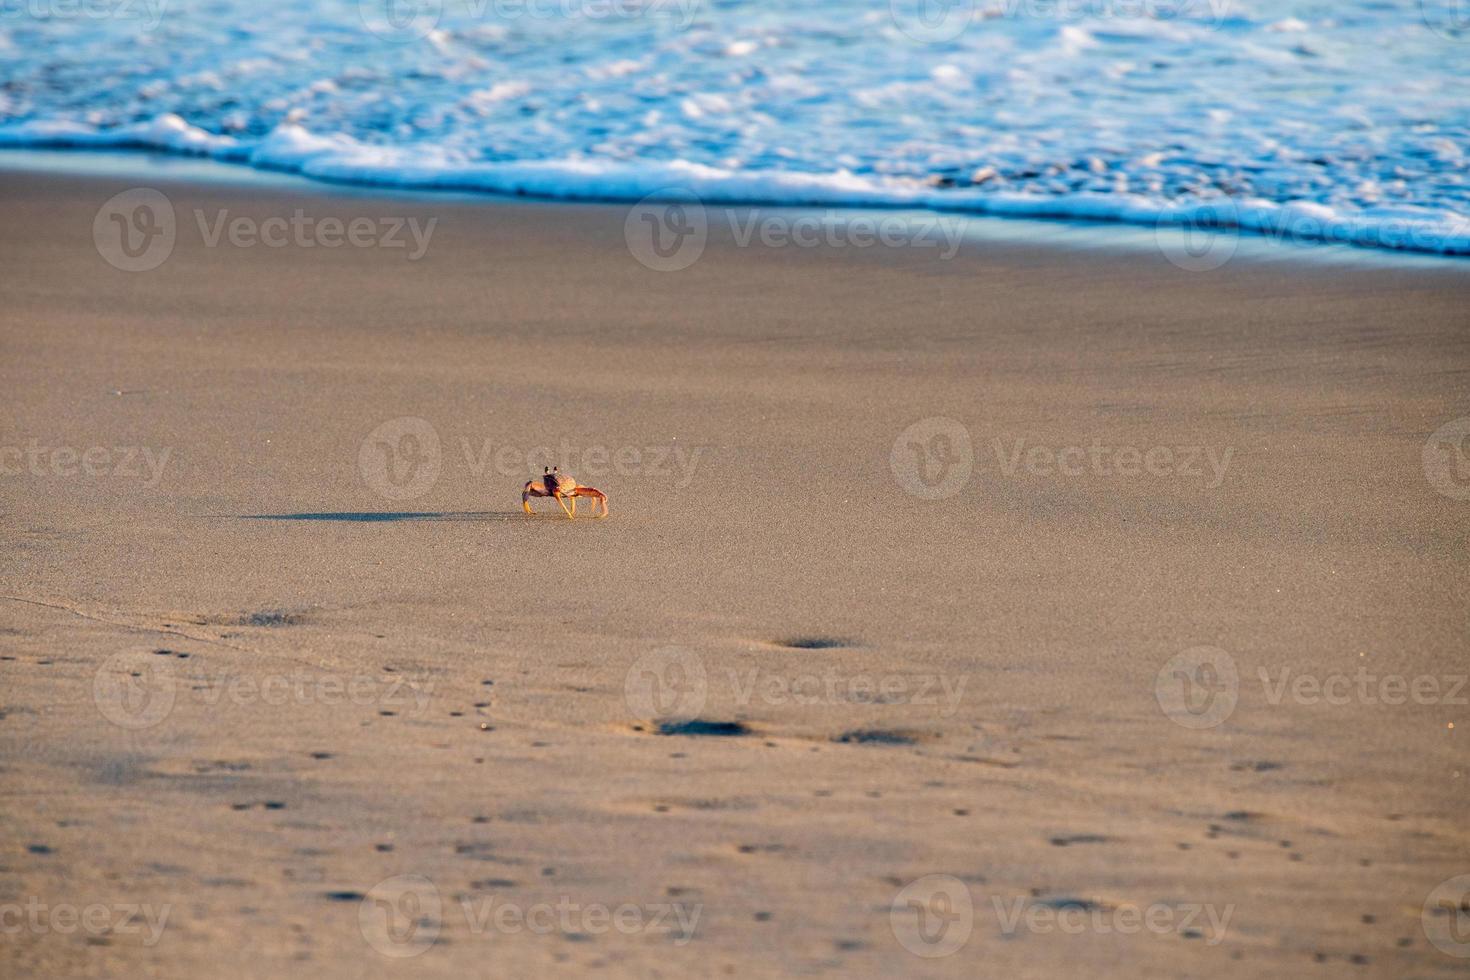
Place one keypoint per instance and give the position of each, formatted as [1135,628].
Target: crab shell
[558,482]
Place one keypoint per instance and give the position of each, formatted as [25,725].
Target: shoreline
[1100,234]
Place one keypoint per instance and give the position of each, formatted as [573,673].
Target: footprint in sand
[1256,766]
[702,728]
[813,643]
[270,618]
[490,884]
[876,736]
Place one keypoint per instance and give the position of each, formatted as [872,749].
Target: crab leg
[599,499]
[531,489]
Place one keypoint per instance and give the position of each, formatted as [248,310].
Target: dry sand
[444,691]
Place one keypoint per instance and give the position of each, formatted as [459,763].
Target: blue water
[1345,120]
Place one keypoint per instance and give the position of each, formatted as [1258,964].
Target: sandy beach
[1128,600]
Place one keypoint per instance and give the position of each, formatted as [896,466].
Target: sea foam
[1342,123]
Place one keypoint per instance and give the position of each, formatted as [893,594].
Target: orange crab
[555,483]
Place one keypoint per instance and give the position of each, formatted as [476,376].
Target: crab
[555,483]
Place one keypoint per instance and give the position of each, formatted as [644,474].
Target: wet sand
[266,645]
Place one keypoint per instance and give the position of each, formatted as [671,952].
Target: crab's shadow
[386,517]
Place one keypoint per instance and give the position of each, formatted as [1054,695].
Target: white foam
[339,158]
[165,132]
[1072,109]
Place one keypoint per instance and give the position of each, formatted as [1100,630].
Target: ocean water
[1317,120]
